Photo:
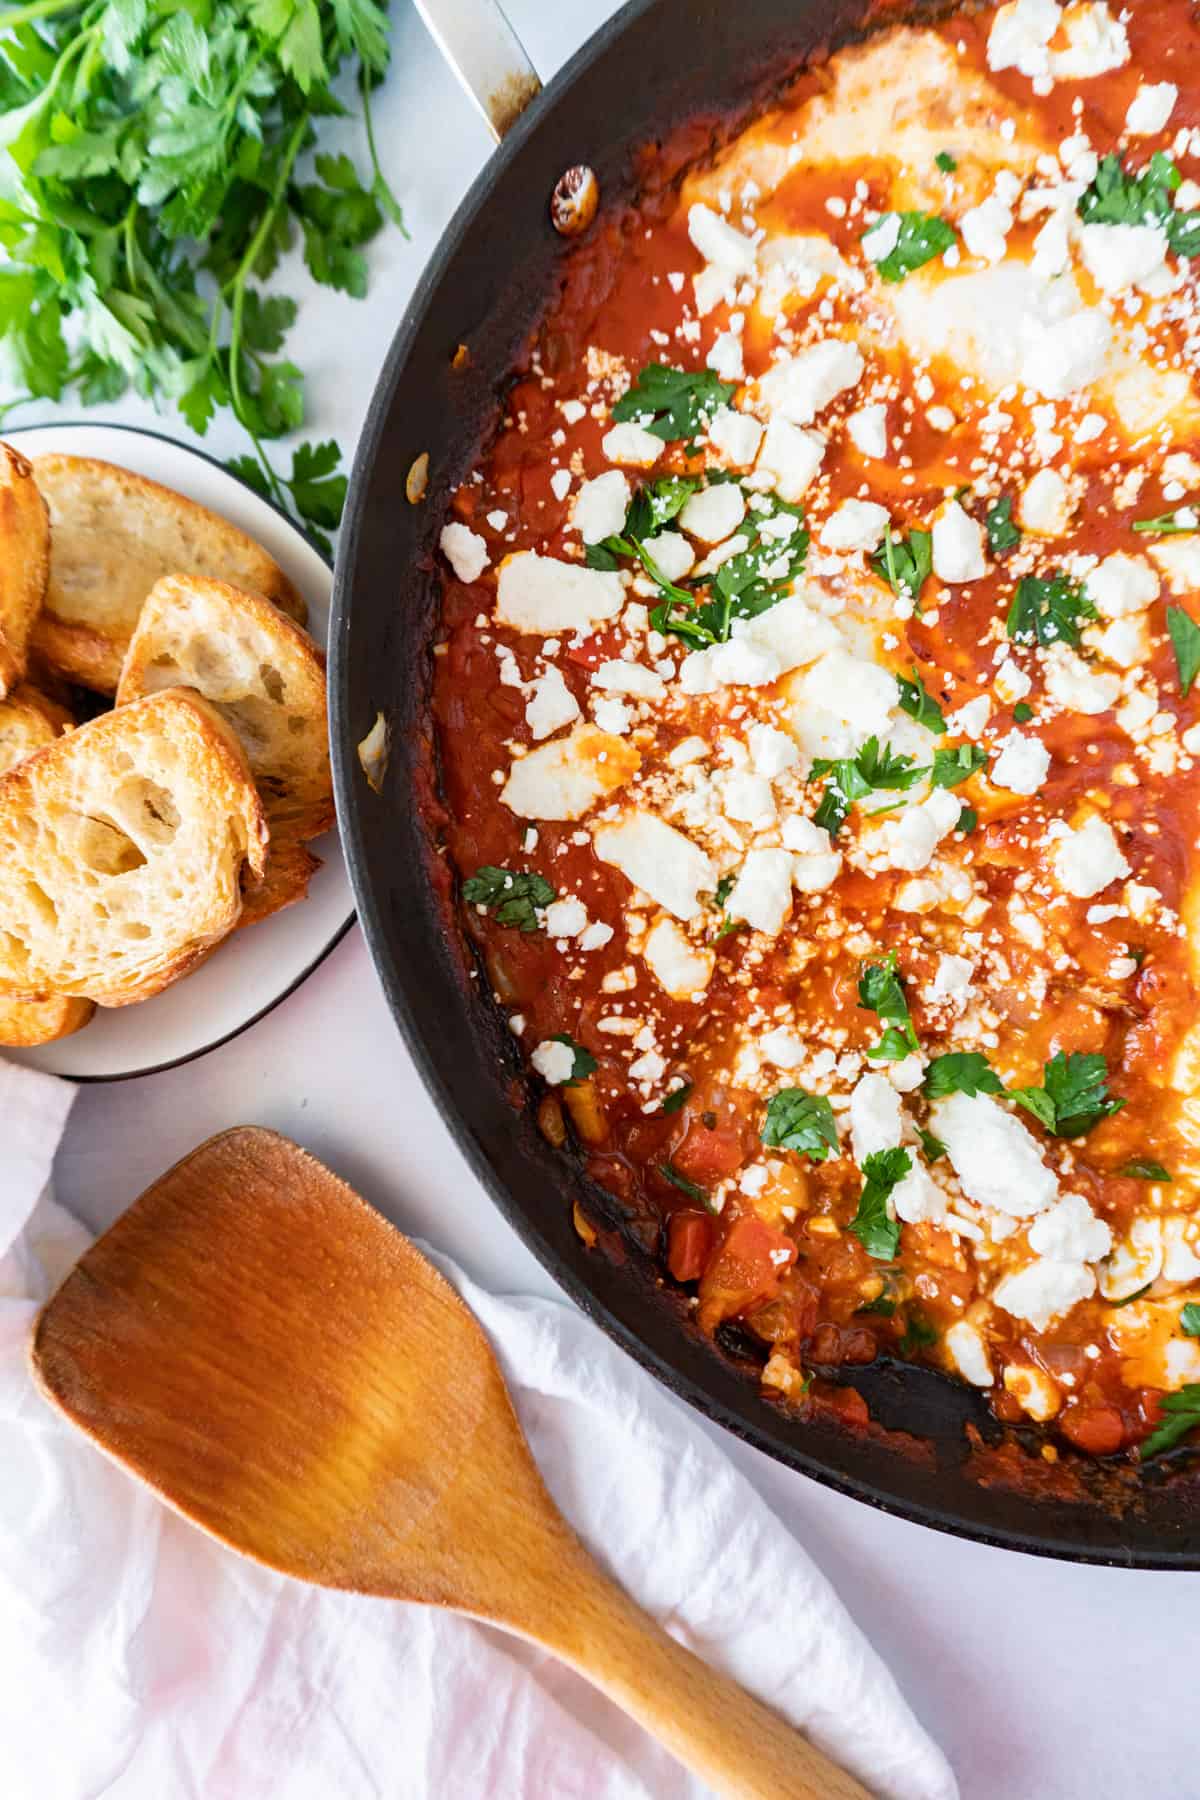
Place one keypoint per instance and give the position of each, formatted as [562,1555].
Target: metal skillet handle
[487,56]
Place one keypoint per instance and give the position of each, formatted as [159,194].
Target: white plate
[259,967]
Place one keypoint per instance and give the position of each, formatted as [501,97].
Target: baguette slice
[24,563]
[27,1020]
[28,721]
[113,534]
[264,675]
[122,848]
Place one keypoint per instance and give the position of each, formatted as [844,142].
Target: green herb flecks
[876,1231]
[676,1098]
[921,237]
[917,701]
[1185,641]
[1002,534]
[585,1063]
[671,1174]
[919,1334]
[1116,197]
[802,1122]
[1180,1414]
[851,778]
[968,821]
[1049,610]
[905,563]
[1022,713]
[1074,1096]
[881,991]
[952,767]
[1189,1319]
[933,1147]
[512,896]
[673,404]
[945,162]
[748,584]
[1179,523]
[1142,1169]
[961,1072]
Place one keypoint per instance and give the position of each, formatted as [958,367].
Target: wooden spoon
[281,1366]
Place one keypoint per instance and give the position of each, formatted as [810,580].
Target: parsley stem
[382,190]
[39,9]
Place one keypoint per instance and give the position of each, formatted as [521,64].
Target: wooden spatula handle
[735,1743]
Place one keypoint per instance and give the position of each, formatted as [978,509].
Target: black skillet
[656,64]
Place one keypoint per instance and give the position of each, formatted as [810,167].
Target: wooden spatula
[284,1368]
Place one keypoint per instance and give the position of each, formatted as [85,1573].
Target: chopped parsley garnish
[961,1072]
[882,1304]
[802,1122]
[1183,520]
[721,894]
[1129,1299]
[878,1234]
[852,778]
[968,820]
[1048,610]
[511,895]
[952,767]
[918,1334]
[1022,712]
[676,1098]
[1182,1414]
[652,508]
[917,701]
[1143,1170]
[1185,641]
[671,1174]
[905,563]
[1002,534]
[1116,197]
[1189,1320]
[673,403]
[585,1062]
[881,991]
[922,236]
[748,584]
[945,162]
[932,1146]
[1074,1096]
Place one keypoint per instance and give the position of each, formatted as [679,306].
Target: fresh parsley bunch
[148,185]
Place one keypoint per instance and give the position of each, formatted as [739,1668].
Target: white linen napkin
[141,1661]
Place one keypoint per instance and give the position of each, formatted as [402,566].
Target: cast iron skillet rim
[349,796]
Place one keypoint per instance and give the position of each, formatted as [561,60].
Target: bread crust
[28,721]
[27,1020]
[290,868]
[113,534]
[122,851]
[24,563]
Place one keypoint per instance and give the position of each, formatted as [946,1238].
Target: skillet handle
[486,54]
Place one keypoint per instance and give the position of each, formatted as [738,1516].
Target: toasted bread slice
[113,534]
[30,1019]
[290,867]
[24,563]
[122,848]
[28,721]
[264,675]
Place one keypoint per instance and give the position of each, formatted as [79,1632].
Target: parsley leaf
[921,237]
[905,563]
[881,991]
[879,1234]
[671,1174]
[919,703]
[968,819]
[1002,534]
[802,1122]
[961,1072]
[673,403]
[852,778]
[1185,641]
[1189,1319]
[676,1098]
[1181,1414]
[1115,197]
[952,767]
[945,162]
[1022,712]
[585,1062]
[918,1334]
[511,894]
[1048,610]
[932,1146]
[1145,1170]
[1074,1096]
[748,584]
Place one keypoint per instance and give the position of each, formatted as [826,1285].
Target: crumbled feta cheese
[907,1075]
[735,436]
[996,1160]
[782,1048]
[791,631]
[908,842]
[747,797]
[790,458]
[957,545]
[969,1353]
[566,918]
[465,551]
[1043,1290]
[971,718]
[952,977]
[1010,682]
[1125,642]
[1063,355]
[672,554]
[1121,584]
[1022,765]
[719,243]
[762,893]
[1179,560]
[1096,43]
[551,705]
[771,751]
[840,701]
[612,715]
[917,1197]
[564,778]
[1046,505]
[817,864]
[619,677]
[630,443]
[737,663]
[1069,1231]
[985,228]
[659,860]
[600,506]
[856,525]
[725,356]
[1075,686]
[867,430]
[553,1061]
[1034,1391]
[1019,37]
[1119,257]
[1150,108]
[713,513]
[881,240]
[799,387]
[542,595]
[1088,858]
[876,1122]
[596,936]
[674,962]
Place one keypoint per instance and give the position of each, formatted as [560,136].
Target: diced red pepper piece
[744,1272]
[689,1241]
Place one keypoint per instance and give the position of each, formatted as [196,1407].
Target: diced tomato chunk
[708,1156]
[1098,1429]
[689,1240]
[744,1272]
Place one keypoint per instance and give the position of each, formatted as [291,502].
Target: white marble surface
[1043,1681]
